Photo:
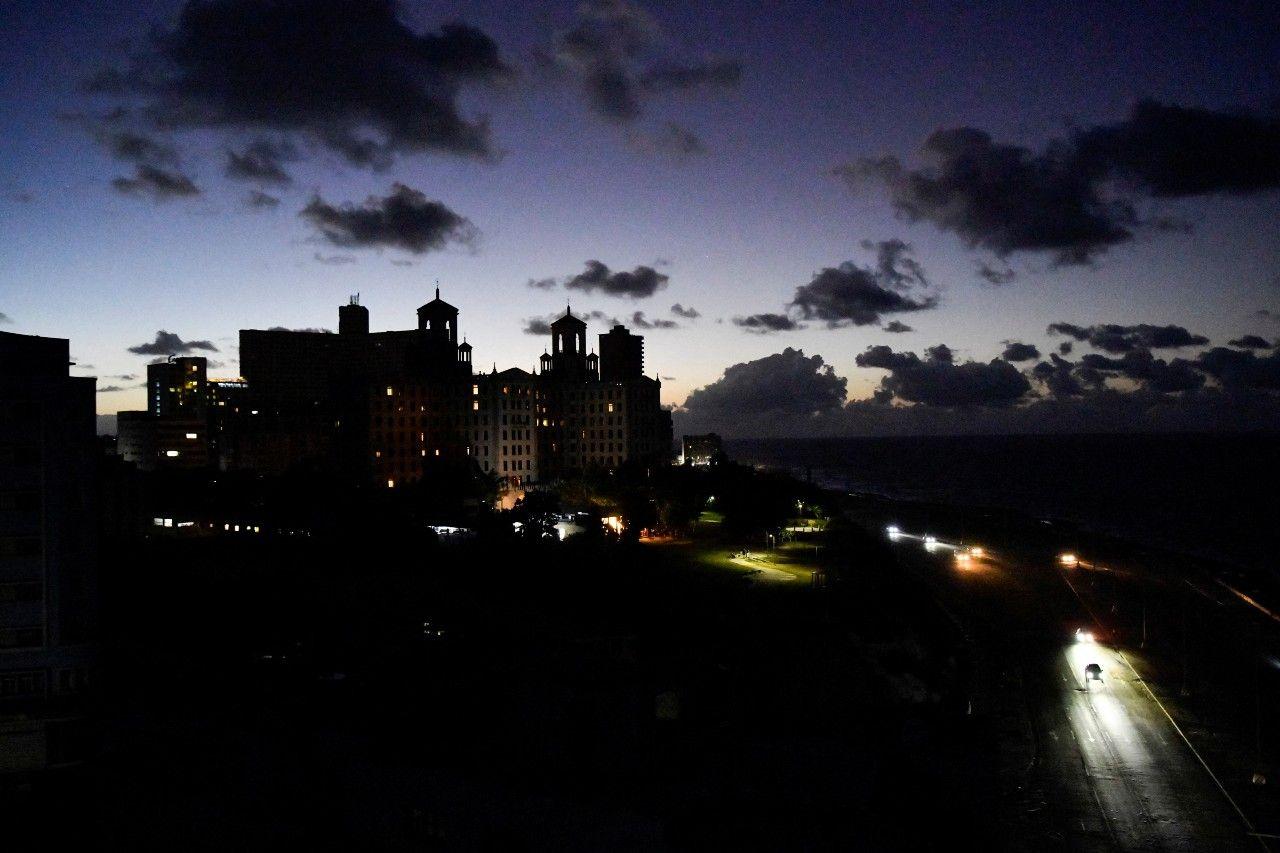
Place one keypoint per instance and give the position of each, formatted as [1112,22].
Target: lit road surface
[1113,770]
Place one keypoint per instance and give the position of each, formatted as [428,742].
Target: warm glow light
[1068,559]
[171,453]
[391,484]
[977,553]
[962,559]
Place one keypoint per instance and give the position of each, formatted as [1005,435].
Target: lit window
[191,435]
[437,451]
[390,391]
[611,407]
[475,390]
[171,453]
[475,405]
[391,484]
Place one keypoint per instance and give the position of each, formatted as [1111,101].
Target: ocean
[1206,495]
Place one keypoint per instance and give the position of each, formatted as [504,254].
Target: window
[191,435]
[20,638]
[17,685]
[171,453]
[390,391]
[21,591]
[19,546]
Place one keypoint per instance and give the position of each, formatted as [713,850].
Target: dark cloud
[1008,198]
[135,147]
[763,323]
[348,74]
[107,389]
[541,283]
[5,318]
[261,161]
[1251,342]
[1174,152]
[1266,314]
[939,381]
[401,262]
[850,294]
[157,183]
[897,327]
[1059,377]
[641,282]
[333,260]
[941,353]
[613,53]
[168,343]
[1114,338]
[995,275]
[1141,366]
[405,219]
[1018,351]
[788,382]
[537,326]
[641,322]
[1066,347]
[689,313]
[1242,369]
[261,201]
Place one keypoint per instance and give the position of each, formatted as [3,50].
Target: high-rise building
[621,355]
[48,449]
[178,388]
[184,426]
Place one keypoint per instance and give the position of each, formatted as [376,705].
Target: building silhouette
[48,555]
[189,420]
[396,407]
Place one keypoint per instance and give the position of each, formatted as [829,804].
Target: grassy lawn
[792,563]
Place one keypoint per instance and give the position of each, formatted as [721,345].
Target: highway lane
[1113,770]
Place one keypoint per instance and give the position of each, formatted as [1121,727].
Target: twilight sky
[809,178]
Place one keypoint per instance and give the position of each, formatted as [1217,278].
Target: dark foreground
[399,695]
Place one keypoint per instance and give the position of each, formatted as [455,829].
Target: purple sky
[708,156]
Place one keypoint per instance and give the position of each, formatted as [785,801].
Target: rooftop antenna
[354,299]
[437,288]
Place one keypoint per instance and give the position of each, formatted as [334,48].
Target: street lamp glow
[1069,560]
[977,553]
[893,532]
[930,543]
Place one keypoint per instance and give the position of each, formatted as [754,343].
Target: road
[1109,766]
